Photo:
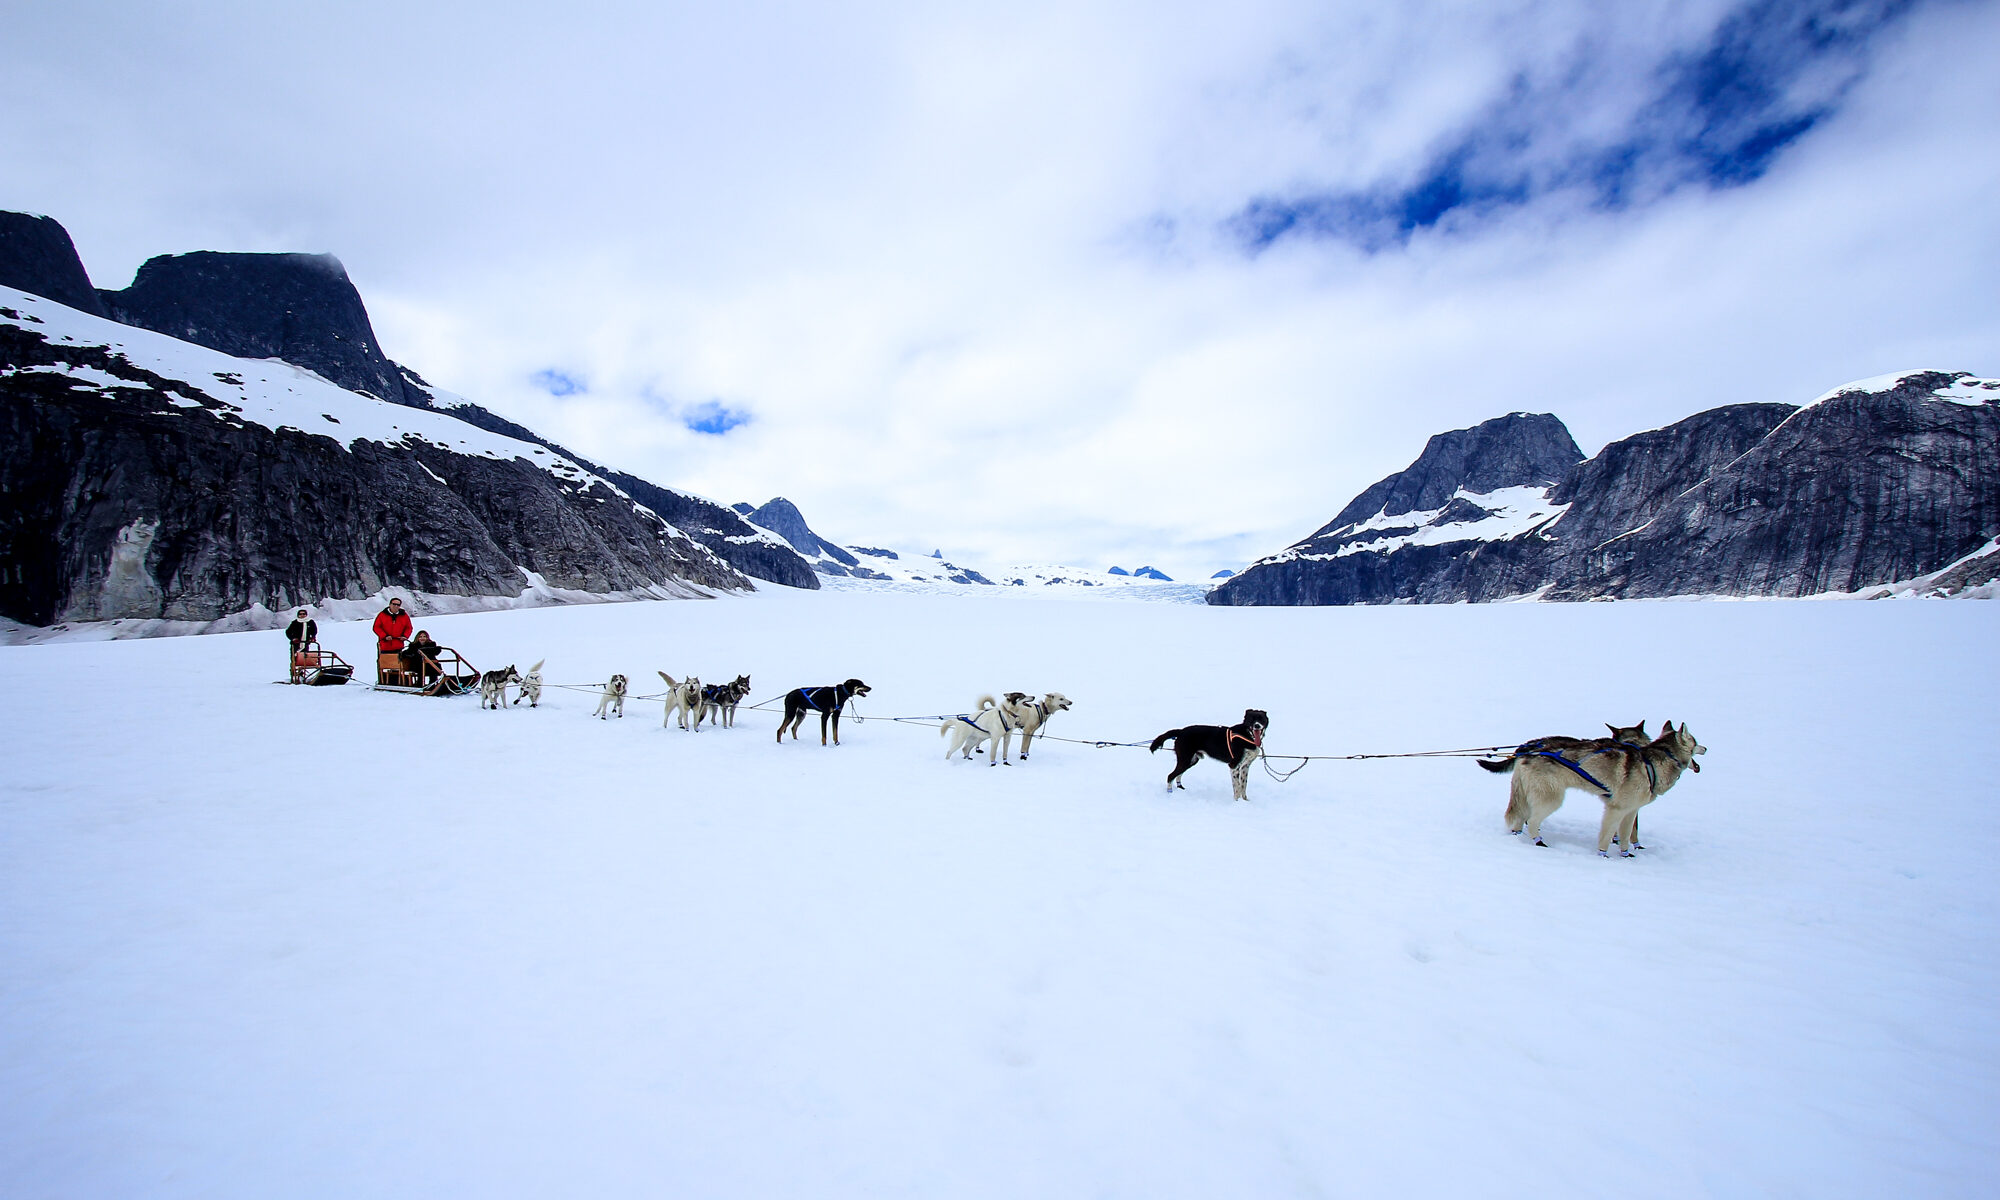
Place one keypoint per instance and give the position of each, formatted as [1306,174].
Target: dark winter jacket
[301,632]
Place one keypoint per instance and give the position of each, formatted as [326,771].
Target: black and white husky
[493,687]
[531,686]
[826,701]
[1238,745]
[613,698]
[719,700]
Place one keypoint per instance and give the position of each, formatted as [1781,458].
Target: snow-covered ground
[271,941]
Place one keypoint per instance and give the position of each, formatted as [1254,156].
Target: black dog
[826,701]
[1237,745]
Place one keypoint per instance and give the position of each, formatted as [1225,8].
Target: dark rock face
[146,496]
[1859,489]
[1516,450]
[297,307]
[302,309]
[37,256]
[783,518]
[1862,488]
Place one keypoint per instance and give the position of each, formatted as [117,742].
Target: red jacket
[392,629]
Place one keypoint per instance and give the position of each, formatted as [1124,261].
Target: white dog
[684,698]
[613,698]
[990,723]
[531,686]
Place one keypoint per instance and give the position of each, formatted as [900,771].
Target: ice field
[259,940]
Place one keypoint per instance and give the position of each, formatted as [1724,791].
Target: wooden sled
[446,675]
[319,668]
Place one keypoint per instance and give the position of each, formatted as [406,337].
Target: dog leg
[1614,816]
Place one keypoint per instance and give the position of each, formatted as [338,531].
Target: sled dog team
[1627,770]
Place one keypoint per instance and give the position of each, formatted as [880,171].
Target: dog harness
[1534,749]
[1255,737]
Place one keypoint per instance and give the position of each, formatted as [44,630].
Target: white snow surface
[1512,511]
[259,940]
[1966,389]
[916,568]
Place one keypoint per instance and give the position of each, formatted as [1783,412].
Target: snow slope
[270,941]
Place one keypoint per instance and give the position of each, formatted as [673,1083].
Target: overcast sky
[1077,282]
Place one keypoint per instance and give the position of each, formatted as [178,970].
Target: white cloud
[962,264]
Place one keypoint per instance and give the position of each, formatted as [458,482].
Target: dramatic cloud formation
[1098,282]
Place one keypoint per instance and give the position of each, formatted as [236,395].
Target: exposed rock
[303,309]
[134,494]
[1866,486]
[37,256]
[783,518]
[1872,484]
[297,307]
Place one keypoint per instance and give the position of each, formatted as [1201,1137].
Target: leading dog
[493,687]
[826,701]
[1237,745]
[683,697]
[1625,777]
[991,723]
[613,697]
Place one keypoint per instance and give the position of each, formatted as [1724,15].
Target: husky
[1624,776]
[989,723]
[1238,745]
[826,701]
[493,687]
[531,686]
[613,698]
[719,701]
[1038,715]
[683,698]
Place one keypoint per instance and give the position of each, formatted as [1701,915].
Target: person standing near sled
[302,632]
[392,628]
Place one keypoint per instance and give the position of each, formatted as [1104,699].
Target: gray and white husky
[493,687]
[1626,777]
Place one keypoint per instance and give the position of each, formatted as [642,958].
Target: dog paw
[1541,843]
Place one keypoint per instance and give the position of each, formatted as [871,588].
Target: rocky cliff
[1875,483]
[303,309]
[93,426]
[145,477]
[37,256]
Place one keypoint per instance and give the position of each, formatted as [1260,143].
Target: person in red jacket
[392,628]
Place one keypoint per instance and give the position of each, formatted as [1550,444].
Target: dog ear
[1666,729]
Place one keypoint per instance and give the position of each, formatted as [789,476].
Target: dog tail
[985,702]
[671,681]
[1162,740]
[1498,768]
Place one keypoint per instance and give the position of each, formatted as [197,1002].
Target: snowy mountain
[253,449]
[864,565]
[1885,483]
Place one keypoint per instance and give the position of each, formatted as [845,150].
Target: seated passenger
[421,657]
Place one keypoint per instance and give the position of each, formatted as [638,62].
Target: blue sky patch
[1717,115]
[558,383]
[713,417]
